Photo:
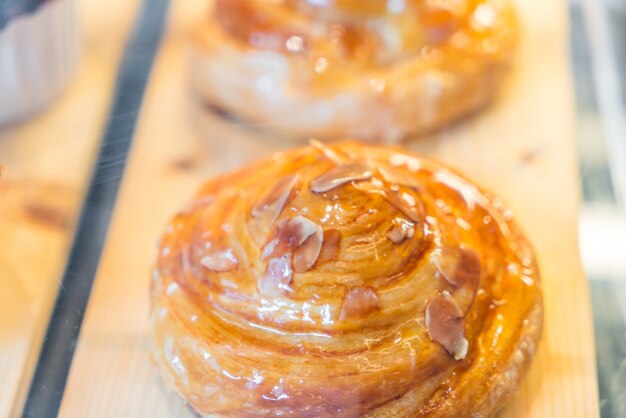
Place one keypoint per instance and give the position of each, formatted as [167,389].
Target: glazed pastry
[369,69]
[345,281]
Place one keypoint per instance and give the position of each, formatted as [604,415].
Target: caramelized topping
[358,303]
[268,28]
[444,323]
[340,286]
[340,175]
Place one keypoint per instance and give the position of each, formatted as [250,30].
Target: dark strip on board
[50,377]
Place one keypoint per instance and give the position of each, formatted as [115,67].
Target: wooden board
[521,148]
[46,164]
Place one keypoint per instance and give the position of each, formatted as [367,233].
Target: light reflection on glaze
[403,60]
[253,351]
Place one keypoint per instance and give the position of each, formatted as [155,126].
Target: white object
[38,55]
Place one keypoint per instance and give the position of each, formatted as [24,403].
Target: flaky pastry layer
[372,70]
[345,280]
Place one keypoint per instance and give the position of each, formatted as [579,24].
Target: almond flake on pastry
[367,301]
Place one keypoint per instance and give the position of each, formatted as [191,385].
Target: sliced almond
[269,249]
[396,235]
[366,218]
[327,152]
[468,192]
[407,204]
[220,261]
[330,246]
[304,228]
[358,303]
[306,254]
[340,175]
[464,297]
[398,177]
[445,325]
[458,266]
[273,203]
[400,231]
[276,279]
[290,234]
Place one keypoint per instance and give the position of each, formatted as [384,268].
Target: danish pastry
[345,280]
[369,69]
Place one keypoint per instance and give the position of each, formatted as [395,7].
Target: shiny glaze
[347,337]
[331,41]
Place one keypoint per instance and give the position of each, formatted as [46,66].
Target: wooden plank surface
[522,148]
[46,164]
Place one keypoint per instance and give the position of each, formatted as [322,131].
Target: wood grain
[46,164]
[521,148]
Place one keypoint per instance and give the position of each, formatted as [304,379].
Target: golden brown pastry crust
[349,68]
[345,280]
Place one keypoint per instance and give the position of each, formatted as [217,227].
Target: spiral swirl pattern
[367,69]
[344,280]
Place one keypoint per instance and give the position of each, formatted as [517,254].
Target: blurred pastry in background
[39,49]
[35,227]
[369,69]
[345,281]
